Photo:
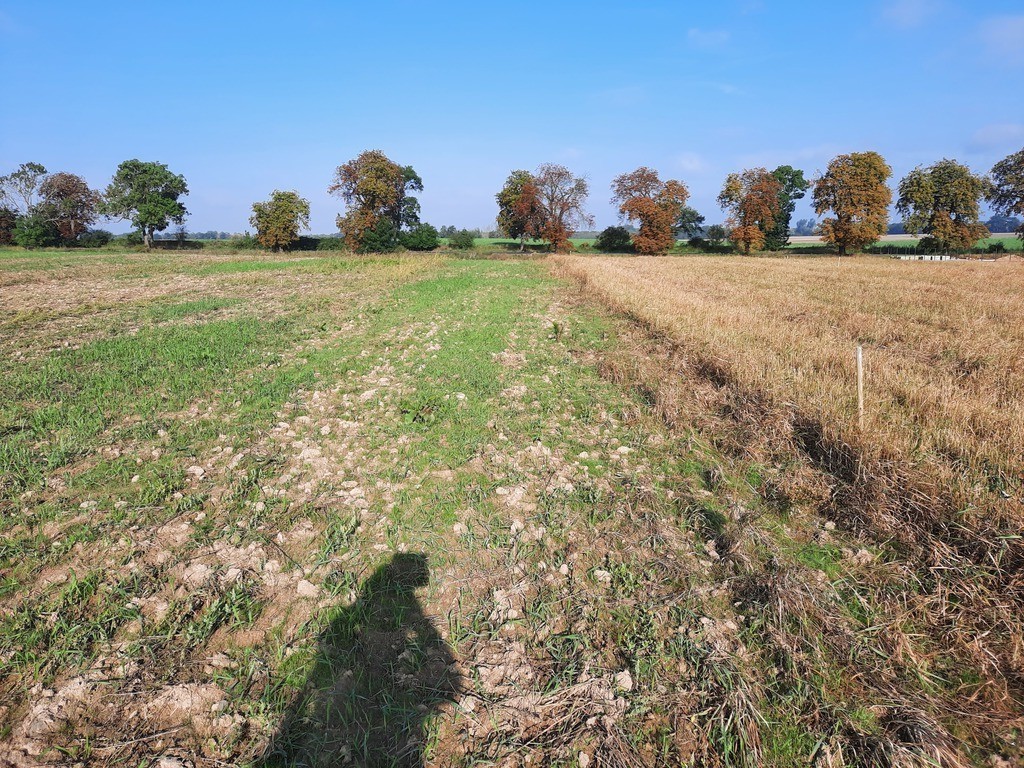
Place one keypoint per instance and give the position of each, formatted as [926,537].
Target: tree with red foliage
[68,202]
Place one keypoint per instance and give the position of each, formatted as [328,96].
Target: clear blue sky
[243,98]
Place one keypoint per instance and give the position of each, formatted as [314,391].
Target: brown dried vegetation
[919,620]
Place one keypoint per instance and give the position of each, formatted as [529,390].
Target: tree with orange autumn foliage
[561,197]
[376,191]
[854,188]
[752,201]
[656,205]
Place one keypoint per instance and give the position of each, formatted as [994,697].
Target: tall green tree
[1006,194]
[376,192]
[943,201]
[792,187]
[147,195]
[854,189]
[279,220]
[689,223]
[1002,223]
[805,227]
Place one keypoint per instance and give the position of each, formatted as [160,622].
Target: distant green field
[509,244]
[1009,241]
[53,258]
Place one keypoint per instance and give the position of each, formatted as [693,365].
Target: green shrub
[331,244]
[129,238]
[247,243]
[462,240]
[8,219]
[33,231]
[178,245]
[614,240]
[716,234]
[422,237]
[305,243]
[995,248]
[95,238]
[383,238]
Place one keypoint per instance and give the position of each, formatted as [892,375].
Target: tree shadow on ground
[381,673]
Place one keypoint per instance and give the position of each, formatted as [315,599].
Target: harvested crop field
[316,510]
[761,354]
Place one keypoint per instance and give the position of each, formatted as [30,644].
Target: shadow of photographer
[381,672]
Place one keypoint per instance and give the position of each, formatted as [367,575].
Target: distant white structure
[926,257]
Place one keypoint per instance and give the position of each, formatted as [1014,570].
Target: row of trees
[941,201]
[38,208]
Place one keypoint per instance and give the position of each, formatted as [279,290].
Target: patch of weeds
[163,312]
[340,582]
[338,536]
[62,631]
[237,607]
[786,740]
[190,502]
[71,397]
[637,638]
[707,518]
[822,557]
[568,654]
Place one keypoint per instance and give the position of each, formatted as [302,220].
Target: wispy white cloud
[1002,38]
[996,136]
[707,38]
[910,13]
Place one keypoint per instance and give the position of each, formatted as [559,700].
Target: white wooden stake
[860,386]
